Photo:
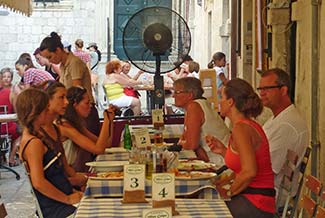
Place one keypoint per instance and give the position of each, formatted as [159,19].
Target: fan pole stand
[159,92]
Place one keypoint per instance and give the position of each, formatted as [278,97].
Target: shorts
[123,101]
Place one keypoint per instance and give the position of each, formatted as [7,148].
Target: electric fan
[155,40]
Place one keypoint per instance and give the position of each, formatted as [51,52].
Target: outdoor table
[108,207]
[114,188]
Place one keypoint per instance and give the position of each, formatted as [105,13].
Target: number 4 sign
[163,186]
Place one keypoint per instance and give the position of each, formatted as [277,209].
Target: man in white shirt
[286,129]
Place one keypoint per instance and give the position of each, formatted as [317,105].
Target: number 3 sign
[134,177]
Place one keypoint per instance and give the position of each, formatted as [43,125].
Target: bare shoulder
[244,133]
[194,107]
[31,144]
[194,112]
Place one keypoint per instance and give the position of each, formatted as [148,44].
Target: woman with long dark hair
[80,144]
[43,161]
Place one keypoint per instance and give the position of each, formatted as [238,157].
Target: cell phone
[183,65]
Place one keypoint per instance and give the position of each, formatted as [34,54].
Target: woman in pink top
[252,190]
[80,53]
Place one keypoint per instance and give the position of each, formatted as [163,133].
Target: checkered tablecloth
[114,188]
[108,207]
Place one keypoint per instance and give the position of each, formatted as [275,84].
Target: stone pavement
[16,195]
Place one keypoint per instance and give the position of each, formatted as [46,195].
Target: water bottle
[127,137]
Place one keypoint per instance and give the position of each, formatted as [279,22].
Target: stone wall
[19,33]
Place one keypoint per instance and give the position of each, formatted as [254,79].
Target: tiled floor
[15,194]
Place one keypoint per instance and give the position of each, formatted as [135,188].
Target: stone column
[102,13]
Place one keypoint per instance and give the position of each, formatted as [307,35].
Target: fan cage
[140,55]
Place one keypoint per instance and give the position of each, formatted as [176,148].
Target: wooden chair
[312,185]
[302,169]
[320,211]
[285,190]
[209,84]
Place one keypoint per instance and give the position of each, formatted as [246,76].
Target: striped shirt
[34,76]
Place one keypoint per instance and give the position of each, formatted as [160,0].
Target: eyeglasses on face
[179,92]
[265,88]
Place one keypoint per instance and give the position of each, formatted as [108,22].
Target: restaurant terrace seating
[293,201]
[308,204]
[209,84]
[285,189]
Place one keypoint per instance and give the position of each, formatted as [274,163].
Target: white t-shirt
[219,70]
[194,74]
[286,131]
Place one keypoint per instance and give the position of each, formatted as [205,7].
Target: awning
[22,6]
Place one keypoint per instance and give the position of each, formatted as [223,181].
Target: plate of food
[107,176]
[194,175]
[114,150]
[194,165]
[107,166]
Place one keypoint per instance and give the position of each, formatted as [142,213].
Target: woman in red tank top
[247,154]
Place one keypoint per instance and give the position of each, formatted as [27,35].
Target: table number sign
[157,118]
[163,191]
[142,137]
[157,213]
[134,183]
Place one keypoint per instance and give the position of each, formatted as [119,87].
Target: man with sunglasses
[286,129]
